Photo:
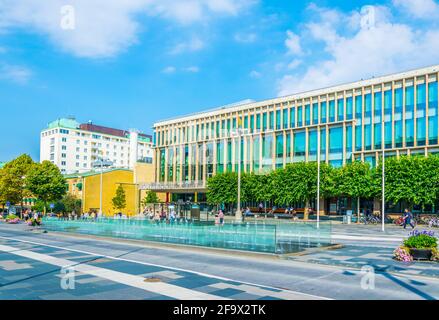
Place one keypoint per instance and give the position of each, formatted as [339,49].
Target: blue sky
[130,63]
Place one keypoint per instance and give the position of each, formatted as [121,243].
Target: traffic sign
[52,206]
[8,204]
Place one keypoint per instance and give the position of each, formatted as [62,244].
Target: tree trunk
[358,210]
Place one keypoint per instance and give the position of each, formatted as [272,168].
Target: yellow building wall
[145,173]
[111,181]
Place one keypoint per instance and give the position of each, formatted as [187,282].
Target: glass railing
[279,238]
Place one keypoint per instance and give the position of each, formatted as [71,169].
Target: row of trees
[23,178]
[411,179]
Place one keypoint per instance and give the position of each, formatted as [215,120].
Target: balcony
[174,186]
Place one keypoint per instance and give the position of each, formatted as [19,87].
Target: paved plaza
[33,265]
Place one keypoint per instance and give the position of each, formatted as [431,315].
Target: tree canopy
[119,201]
[45,181]
[13,180]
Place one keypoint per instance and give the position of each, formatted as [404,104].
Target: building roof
[71,123]
[92,173]
[297,96]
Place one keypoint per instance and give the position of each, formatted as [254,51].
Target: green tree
[222,188]
[414,180]
[71,203]
[46,182]
[119,201]
[355,180]
[12,180]
[150,198]
[297,182]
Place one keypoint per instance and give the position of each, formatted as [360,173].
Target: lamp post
[238,215]
[318,179]
[101,163]
[383,178]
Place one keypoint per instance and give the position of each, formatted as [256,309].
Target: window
[307,115]
[409,121]
[388,119]
[398,117]
[299,116]
[63,163]
[299,146]
[340,109]
[368,121]
[323,112]
[378,109]
[312,145]
[292,118]
[336,146]
[421,115]
[279,150]
[63,148]
[331,111]
[285,118]
[63,155]
[349,108]
[64,139]
[433,112]
[315,113]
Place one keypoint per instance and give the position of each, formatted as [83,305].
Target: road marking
[293,293]
[161,288]
[362,238]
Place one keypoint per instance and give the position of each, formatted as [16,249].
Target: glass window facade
[433,113]
[409,121]
[299,146]
[400,115]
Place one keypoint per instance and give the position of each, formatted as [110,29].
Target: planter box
[421,254]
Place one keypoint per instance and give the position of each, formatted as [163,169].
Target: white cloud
[192,69]
[423,9]
[245,37]
[255,74]
[294,64]
[169,69]
[293,43]
[194,44]
[369,50]
[105,28]
[18,74]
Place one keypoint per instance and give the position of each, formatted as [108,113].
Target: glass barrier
[270,237]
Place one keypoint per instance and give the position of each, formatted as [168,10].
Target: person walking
[221,217]
[260,208]
[408,218]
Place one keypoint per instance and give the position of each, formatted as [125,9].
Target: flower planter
[421,254]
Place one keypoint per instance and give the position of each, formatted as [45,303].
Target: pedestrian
[221,217]
[172,216]
[260,208]
[294,213]
[408,218]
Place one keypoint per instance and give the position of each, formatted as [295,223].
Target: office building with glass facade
[355,121]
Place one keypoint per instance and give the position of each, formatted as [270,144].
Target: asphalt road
[30,265]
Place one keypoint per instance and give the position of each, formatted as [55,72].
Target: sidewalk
[381,259]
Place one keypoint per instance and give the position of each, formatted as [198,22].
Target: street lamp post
[238,215]
[318,179]
[100,164]
[383,179]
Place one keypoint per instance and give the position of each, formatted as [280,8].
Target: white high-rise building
[74,147]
